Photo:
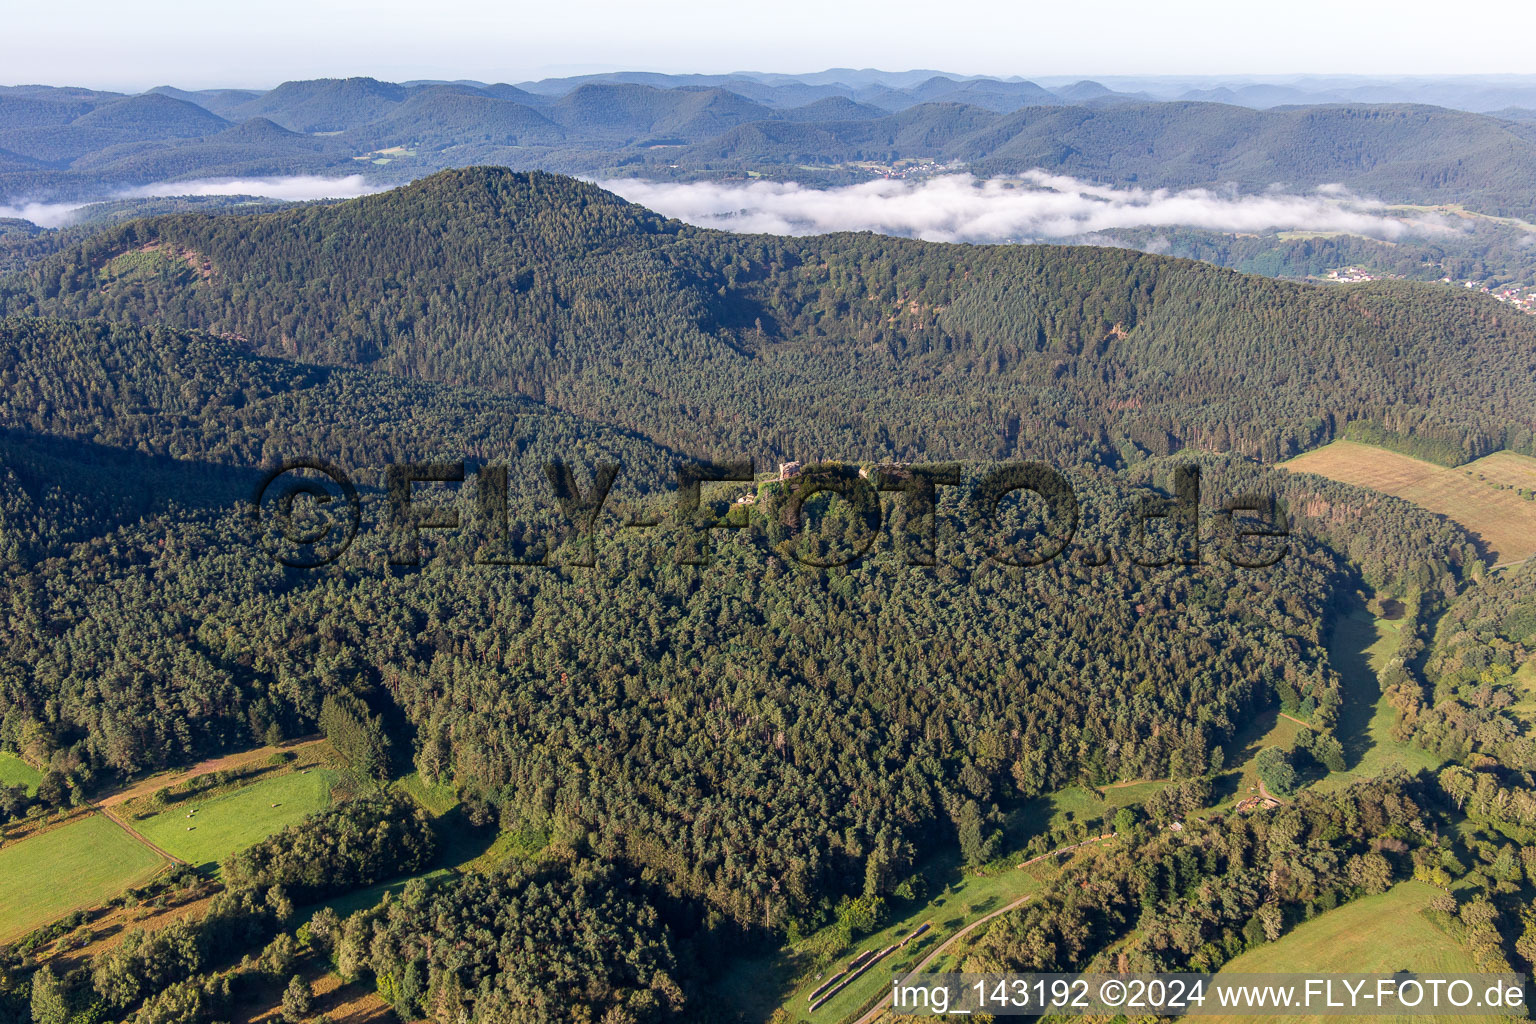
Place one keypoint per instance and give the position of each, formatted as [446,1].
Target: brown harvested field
[1507,468]
[1500,518]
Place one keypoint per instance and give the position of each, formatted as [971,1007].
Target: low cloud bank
[297,188]
[946,208]
[1037,205]
[44,215]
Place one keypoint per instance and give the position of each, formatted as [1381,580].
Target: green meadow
[1360,646]
[16,772]
[205,831]
[81,864]
[1377,934]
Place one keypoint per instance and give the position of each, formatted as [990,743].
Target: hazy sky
[112,44]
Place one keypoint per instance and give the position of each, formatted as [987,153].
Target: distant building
[788,469]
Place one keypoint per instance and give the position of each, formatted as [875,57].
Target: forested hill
[677,717]
[168,394]
[840,346]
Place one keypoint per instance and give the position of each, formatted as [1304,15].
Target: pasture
[1376,934]
[1240,778]
[306,754]
[16,772]
[1076,803]
[205,830]
[1483,496]
[1360,645]
[69,867]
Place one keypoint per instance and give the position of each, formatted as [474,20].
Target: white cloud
[297,188]
[946,208]
[1036,205]
[293,189]
[44,215]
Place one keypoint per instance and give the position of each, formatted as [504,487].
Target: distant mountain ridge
[825,128]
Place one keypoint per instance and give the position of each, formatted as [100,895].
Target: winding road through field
[941,948]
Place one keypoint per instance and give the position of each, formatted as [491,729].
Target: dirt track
[939,950]
[144,787]
[136,835]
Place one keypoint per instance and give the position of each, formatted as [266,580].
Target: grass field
[80,864]
[306,754]
[229,822]
[756,986]
[1359,647]
[1268,729]
[1525,685]
[1377,934]
[1075,803]
[16,772]
[436,800]
[1471,495]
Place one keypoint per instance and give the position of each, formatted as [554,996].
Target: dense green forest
[836,346]
[719,742]
[1460,684]
[524,946]
[1193,899]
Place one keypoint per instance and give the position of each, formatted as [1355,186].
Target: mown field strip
[1502,519]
